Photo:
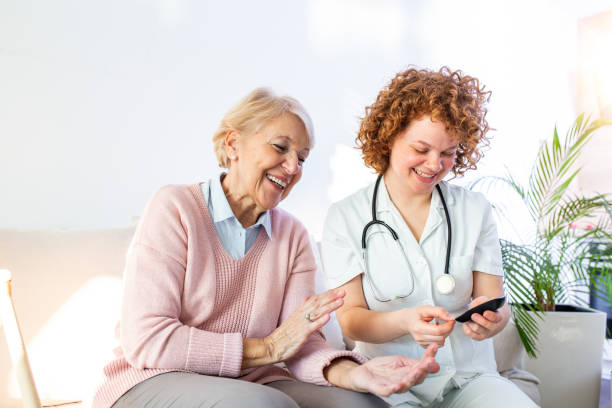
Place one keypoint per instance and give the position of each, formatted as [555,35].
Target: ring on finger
[308,317]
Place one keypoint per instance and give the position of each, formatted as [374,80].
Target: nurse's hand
[382,375]
[312,314]
[427,324]
[488,324]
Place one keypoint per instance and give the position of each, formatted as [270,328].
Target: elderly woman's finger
[320,322]
[324,309]
[430,353]
[418,372]
[324,298]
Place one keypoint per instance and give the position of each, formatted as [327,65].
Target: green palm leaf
[559,262]
[570,208]
[549,177]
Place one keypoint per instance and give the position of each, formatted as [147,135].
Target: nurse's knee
[493,390]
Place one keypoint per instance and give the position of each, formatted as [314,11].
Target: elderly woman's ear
[231,144]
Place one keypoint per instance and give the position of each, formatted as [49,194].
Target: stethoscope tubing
[376,221]
[448,227]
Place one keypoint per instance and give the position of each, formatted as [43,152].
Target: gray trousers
[178,389]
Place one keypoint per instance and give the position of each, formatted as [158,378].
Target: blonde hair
[252,112]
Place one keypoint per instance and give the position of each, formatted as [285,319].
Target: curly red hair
[450,97]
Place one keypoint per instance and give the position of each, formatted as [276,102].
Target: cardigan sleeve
[151,334]
[308,363]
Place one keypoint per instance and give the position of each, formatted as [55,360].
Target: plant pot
[569,361]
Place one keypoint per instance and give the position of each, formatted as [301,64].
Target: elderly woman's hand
[393,374]
[286,340]
[383,375]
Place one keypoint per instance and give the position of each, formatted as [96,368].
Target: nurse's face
[422,155]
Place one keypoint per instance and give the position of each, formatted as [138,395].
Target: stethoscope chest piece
[445,284]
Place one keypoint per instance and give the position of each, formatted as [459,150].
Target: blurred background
[101,103]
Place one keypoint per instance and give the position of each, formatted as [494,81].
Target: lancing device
[492,305]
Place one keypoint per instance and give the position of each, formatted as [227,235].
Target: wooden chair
[14,340]
[17,349]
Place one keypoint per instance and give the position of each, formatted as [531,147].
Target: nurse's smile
[424,177]
[421,156]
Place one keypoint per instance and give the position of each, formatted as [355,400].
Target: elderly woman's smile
[277,181]
[265,165]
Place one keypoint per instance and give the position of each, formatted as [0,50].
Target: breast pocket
[460,268]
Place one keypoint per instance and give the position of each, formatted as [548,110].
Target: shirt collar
[222,211]
[384,203]
[264,220]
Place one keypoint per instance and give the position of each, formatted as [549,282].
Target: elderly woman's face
[270,161]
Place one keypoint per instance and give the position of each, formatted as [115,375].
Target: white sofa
[67,290]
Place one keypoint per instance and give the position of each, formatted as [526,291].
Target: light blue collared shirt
[236,240]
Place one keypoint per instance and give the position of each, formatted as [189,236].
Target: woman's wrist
[337,373]
[256,353]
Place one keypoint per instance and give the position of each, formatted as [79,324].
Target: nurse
[412,251]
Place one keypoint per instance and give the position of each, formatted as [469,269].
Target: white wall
[102,102]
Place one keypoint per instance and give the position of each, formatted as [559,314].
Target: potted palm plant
[547,277]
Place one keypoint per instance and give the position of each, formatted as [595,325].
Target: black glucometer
[492,305]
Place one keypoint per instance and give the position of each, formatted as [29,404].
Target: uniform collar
[222,211]
[384,204]
[448,196]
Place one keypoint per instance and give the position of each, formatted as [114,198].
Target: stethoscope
[444,283]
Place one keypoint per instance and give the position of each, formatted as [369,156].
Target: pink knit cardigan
[187,304]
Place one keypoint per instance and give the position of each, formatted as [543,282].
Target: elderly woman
[390,246]
[219,288]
